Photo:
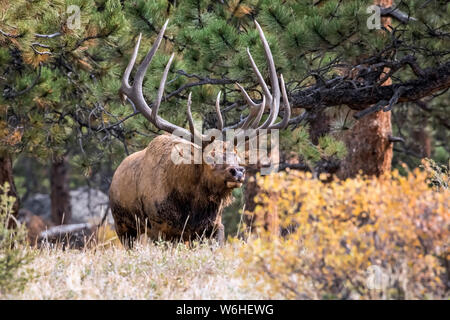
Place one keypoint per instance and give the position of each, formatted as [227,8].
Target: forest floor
[149,271]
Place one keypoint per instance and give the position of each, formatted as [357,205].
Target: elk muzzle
[235,176]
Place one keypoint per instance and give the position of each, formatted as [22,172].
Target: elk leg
[220,235]
[126,234]
[128,238]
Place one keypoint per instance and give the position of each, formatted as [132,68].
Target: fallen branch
[64,230]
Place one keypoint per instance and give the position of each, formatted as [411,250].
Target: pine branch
[48,36]
[9,35]
[14,94]
[37,35]
[397,14]
[96,36]
[202,81]
[360,97]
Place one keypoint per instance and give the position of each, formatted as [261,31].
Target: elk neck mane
[191,180]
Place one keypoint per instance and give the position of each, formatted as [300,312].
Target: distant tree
[61,211]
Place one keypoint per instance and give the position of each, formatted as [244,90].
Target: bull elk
[152,194]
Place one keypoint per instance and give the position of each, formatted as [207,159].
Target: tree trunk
[60,197]
[421,145]
[270,221]
[368,146]
[367,142]
[6,175]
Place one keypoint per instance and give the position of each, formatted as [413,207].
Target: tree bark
[368,146]
[6,175]
[61,210]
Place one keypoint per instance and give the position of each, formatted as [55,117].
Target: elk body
[153,194]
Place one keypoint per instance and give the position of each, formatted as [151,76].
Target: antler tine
[259,76]
[219,114]
[142,69]
[198,137]
[162,84]
[272,98]
[246,96]
[248,120]
[189,114]
[253,118]
[130,92]
[255,115]
[134,92]
[126,74]
[286,107]
[275,101]
[260,113]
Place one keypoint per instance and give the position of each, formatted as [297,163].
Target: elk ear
[242,150]
[206,143]
[209,158]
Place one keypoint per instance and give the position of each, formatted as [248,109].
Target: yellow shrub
[385,237]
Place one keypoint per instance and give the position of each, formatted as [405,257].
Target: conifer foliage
[59,75]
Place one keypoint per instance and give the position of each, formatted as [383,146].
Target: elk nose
[237,172]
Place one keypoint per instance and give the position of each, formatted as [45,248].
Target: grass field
[389,242]
[150,271]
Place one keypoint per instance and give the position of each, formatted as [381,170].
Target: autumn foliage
[363,238]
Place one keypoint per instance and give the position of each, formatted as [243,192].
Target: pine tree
[60,84]
[339,69]
[334,63]
[56,76]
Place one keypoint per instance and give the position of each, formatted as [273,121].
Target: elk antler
[136,97]
[271,98]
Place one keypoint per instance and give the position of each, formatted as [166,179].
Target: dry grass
[150,271]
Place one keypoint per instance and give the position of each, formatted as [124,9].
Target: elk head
[222,164]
